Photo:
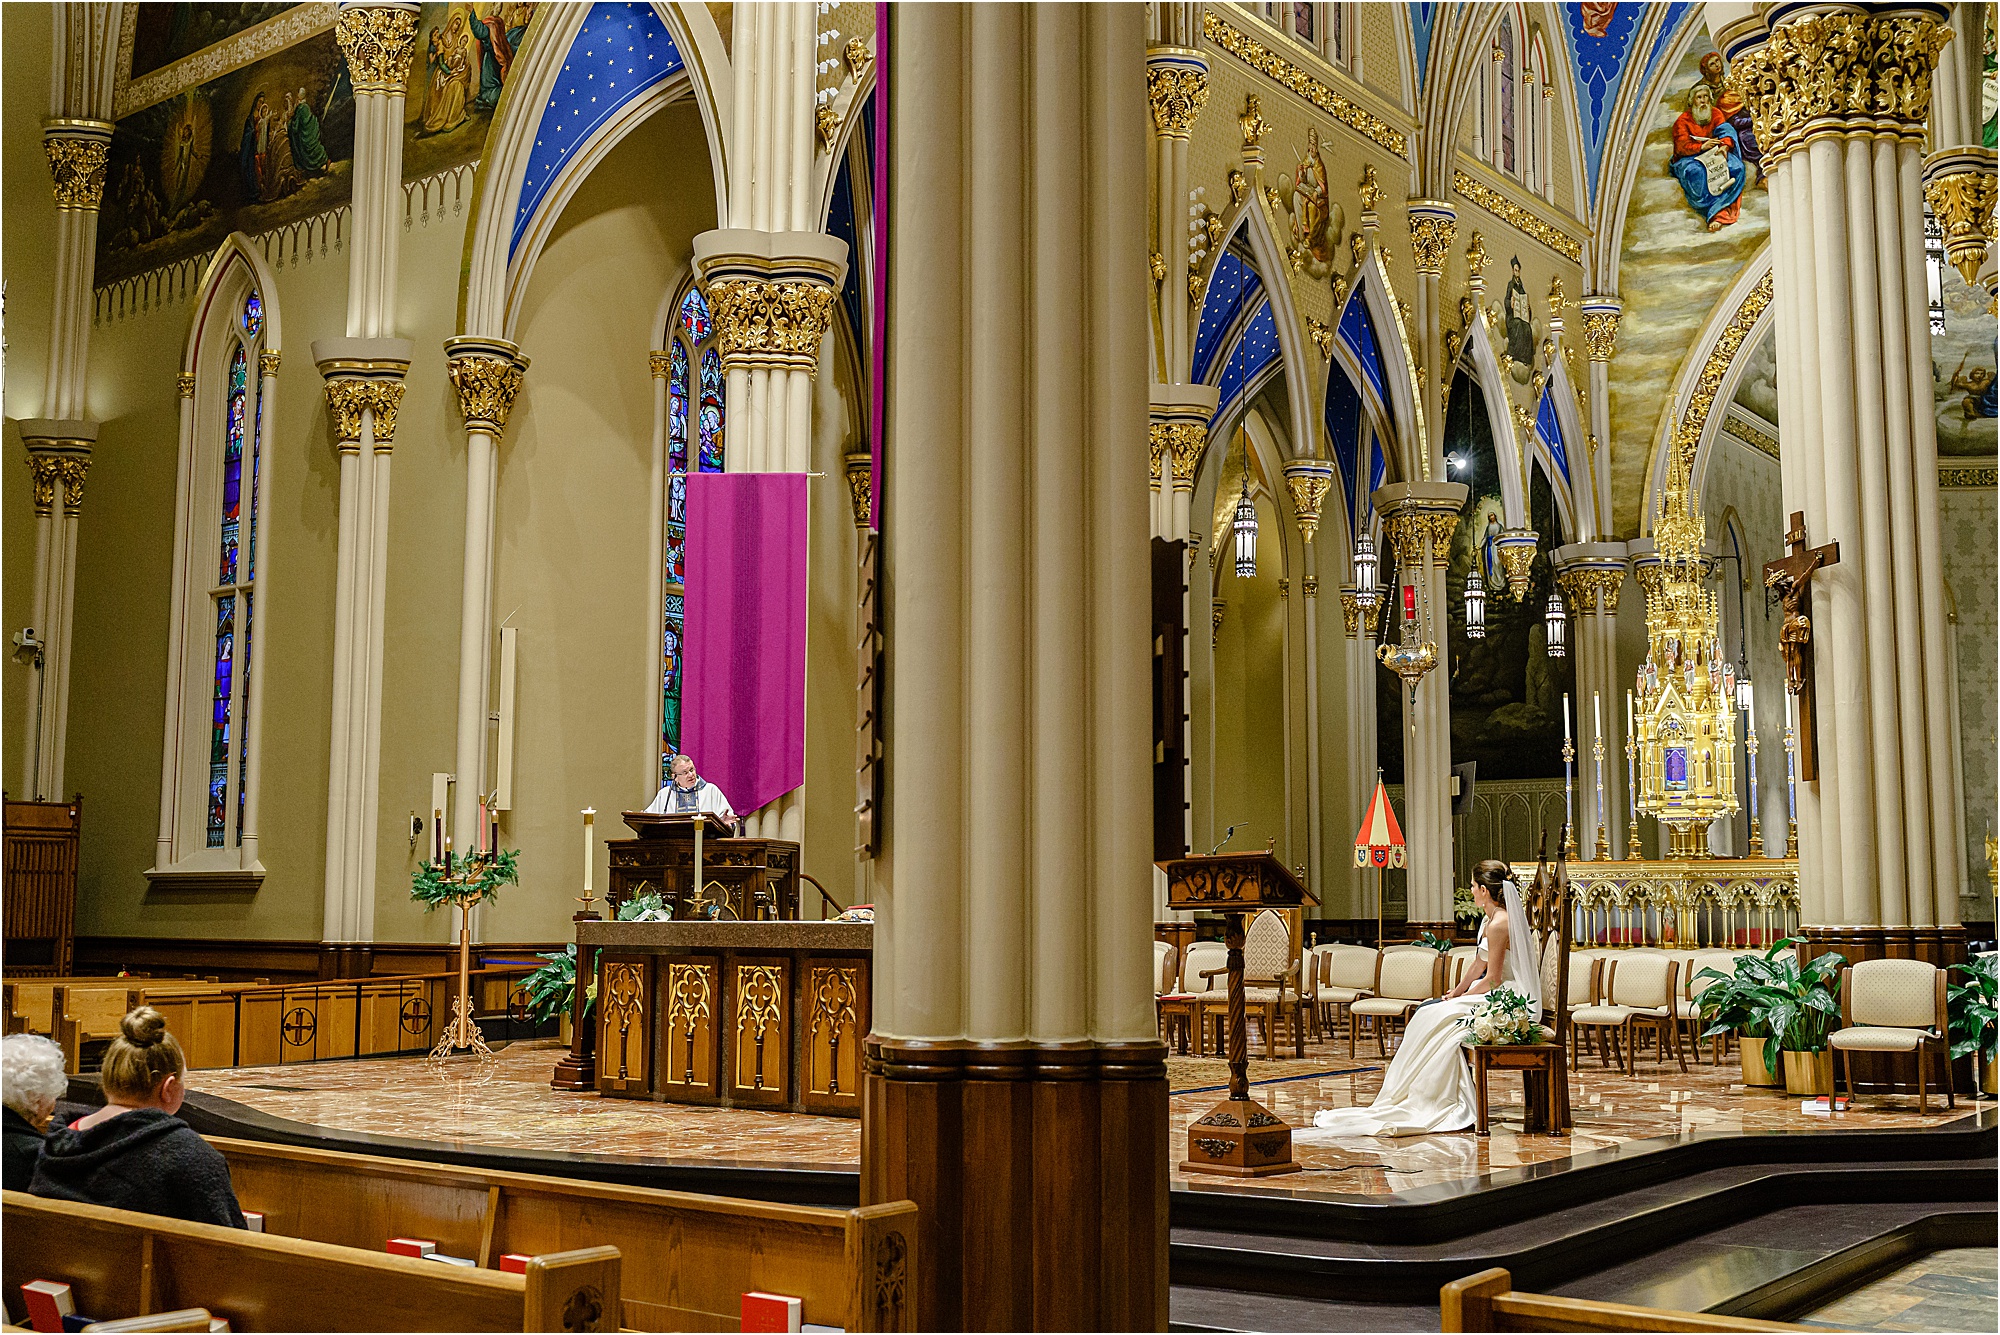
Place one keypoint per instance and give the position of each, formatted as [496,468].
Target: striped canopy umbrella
[1380,842]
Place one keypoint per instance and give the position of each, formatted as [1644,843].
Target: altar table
[732,1014]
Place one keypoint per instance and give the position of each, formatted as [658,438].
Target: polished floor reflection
[507,1104]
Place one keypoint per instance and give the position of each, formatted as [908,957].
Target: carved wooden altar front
[732,1014]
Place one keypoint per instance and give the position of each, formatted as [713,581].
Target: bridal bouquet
[1504,1016]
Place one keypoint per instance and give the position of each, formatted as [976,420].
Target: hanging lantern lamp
[1366,590]
[1246,534]
[1558,626]
[1475,607]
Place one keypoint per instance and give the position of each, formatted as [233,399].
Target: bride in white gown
[1429,1085]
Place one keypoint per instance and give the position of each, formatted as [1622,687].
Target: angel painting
[1315,219]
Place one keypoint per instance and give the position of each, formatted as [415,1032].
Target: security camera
[27,649]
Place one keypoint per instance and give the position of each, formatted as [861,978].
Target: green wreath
[430,887]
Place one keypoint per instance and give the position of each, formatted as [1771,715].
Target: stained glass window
[1302,20]
[694,391]
[232,465]
[253,315]
[218,737]
[1505,53]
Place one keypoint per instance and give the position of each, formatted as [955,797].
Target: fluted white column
[1842,95]
[1177,88]
[1590,575]
[1600,336]
[364,371]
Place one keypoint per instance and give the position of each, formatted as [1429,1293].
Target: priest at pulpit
[688,793]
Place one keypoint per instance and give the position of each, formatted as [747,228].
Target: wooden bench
[201,1015]
[852,1268]
[30,1003]
[1488,1301]
[121,1264]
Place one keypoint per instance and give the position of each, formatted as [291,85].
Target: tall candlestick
[1791,785]
[1756,834]
[1601,845]
[482,825]
[1565,715]
[589,845]
[437,836]
[1628,711]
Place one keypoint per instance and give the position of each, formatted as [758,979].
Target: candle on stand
[1788,711]
[482,825]
[1628,711]
[447,855]
[437,835]
[589,844]
[1565,715]
[1597,714]
[493,829]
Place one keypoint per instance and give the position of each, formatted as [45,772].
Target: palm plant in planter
[1793,1006]
[552,988]
[1974,1021]
[1729,1004]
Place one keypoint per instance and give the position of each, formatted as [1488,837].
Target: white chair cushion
[1893,994]
[1343,996]
[1869,1038]
[1257,996]
[1408,973]
[1383,1006]
[1351,967]
[1612,1014]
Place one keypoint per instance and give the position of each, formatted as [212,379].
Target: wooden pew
[30,1002]
[124,1264]
[852,1268]
[1487,1301]
[201,1015]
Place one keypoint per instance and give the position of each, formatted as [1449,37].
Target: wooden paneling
[625,1007]
[694,1256]
[1040,1177]
[38,894]
[288,961]
[834,1002]
[690,1051]
[760,1030]
[123,1264]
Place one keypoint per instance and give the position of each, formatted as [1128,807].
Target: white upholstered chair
[1165,967]
[1641,989]
[1271,983]
[1404,979]
[1893,1006]
[1349,975]
[1205,972]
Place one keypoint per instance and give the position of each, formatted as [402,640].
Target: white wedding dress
[1429,1085]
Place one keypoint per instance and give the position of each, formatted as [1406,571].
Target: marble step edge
[1805,1290]
[1409,1273]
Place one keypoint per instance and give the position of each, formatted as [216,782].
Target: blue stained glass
[256,460]
[232,467]
[710,421]
[253,315]
[243,753]
[218,745]
[676,555]
[677,407]
[694,315]
[677,500]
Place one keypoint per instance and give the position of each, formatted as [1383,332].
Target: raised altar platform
[732,1014]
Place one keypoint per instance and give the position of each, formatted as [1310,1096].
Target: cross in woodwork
[1792,576]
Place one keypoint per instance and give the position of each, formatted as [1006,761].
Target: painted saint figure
[1729,105]
[1520,321]
[448,59]
[308,153]
[1982,391]
[1708,160]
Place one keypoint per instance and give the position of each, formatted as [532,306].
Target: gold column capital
[52,461]
[267,364]
[78,151]
[1176,444]
[377,41]
[1177,88]
[1600,327]
[1841,73]
[185,381]
[487,374]
[1962,189]
[1433,227]
[860,488]
[1309,481]
[1583,586]
[659,363]
[1419,536]
[347,397]
[771,322]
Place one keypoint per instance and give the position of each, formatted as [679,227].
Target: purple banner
[743,693]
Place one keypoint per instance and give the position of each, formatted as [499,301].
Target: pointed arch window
[694,444]
[208,801]
[1506,89]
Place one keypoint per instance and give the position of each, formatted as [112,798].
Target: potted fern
[1972,1016]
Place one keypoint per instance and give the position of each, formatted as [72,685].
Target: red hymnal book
[515,1263]
[771,1311]
[411,1246]
[49,1302]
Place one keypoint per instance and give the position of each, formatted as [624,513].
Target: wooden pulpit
[1238,1137]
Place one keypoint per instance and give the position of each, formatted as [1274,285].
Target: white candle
[1597,714]
[1565,715]
[1788,711]
[589,845]
[1628,711]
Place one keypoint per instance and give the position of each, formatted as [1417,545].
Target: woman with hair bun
[134,1153]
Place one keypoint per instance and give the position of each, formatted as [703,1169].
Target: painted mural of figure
[1729,105]
[250,153]
[183,160]
[1489,552]
[1597,17]
[492,66]
[1520,319]
[1708,160]
[308,152]
[1309,203]
[448,57]
[1982,391]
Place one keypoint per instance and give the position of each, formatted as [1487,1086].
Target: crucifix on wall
[1791,578]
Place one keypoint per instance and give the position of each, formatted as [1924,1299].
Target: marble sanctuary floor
[1954,1289]
[507,1104]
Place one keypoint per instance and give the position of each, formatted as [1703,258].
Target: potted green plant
[1972,1017]
[1795,1007]
[1729,1005]
[1436,941]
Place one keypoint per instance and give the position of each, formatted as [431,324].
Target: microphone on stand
[1226,835]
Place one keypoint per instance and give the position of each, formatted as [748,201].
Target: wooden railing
[1487,1302]
[258,1024]
[855,1269]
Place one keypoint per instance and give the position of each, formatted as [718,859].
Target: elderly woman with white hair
[31,1080]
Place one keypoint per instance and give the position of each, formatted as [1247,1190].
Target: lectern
[698,870]
[1238,1137]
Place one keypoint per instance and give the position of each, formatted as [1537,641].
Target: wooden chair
[1166,967]
[1405,978]
[1488,1301]
[120,1263]
[1641,992]
[1893,1006]
[1349,975]
[1270,970]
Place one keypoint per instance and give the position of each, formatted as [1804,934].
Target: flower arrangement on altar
[1504,1016]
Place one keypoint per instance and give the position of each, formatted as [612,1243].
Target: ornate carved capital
[1600,332]
[68,465]
[1963,202]
[659,364]
[1517,559]
[1310,585]
[860,488]
[1582,587]
[1309,489]
[1432,230]
[269,362]
[771,322]
[1420,536]
[185,380]
[1176,444]
[1350,612]
[1177,91]
[1841,73]
[377,41]
[77,152]
[486,385]
[348,397]
[42,469]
